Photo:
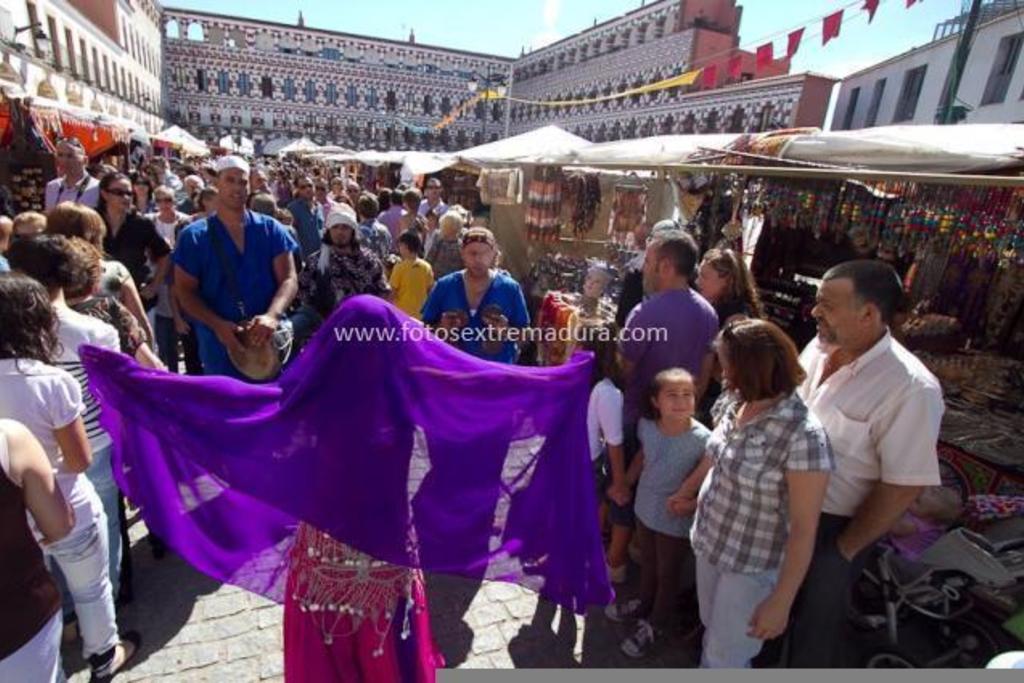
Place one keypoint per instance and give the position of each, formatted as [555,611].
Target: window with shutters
[851,108]
[913,81]
[876,102]
[1002,69]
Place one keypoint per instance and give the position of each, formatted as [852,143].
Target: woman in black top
[726,282]
[132,238]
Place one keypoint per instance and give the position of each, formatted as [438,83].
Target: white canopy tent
[654,151]
[413,162]
[549,144]
[964,148]
[179,137]
[243,145]
[281,147]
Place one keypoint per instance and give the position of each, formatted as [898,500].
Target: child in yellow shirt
[412,278]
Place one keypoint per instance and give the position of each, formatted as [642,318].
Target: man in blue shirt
[260,250]
[309,216]
[479,301]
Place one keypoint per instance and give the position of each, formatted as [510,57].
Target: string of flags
[764,56]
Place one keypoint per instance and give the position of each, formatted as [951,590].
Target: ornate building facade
[101,55]
[226,75]
[229,75]
[653,43]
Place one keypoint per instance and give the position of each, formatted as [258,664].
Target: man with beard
[479,297]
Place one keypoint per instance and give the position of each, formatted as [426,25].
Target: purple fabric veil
[398,445]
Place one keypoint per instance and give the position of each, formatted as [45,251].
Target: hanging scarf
[409,451]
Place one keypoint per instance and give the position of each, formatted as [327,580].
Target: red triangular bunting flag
[830,27]
[794,42]
[870,6]
[709,76]
[910,2]
[735,67]
[764,55]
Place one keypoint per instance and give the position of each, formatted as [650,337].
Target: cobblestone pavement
[196,629]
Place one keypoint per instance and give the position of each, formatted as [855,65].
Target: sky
[505,27]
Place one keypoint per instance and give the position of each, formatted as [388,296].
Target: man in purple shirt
[393,216]
[674,327]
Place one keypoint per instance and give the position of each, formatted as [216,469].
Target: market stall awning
[301,145]
[963,148]
[654,151]
[242,145]
[179,137]
[549,144]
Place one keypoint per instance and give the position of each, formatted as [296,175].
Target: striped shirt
[73,331]
[742,519]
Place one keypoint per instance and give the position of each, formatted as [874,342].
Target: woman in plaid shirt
[757,513]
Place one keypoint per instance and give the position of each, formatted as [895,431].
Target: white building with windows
[101,55]
[908,88]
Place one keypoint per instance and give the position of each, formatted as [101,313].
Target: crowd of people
[717,444]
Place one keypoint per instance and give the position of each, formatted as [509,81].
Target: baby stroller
[946,610]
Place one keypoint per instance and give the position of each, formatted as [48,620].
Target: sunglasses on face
[165,200]
[305,187]
[120,193]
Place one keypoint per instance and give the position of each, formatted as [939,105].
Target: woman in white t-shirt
[56,263]
[604,428]
[48,400]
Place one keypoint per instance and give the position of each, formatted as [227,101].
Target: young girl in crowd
[604,421]
[672,445]
[604,417]
[412,277]
[49,402]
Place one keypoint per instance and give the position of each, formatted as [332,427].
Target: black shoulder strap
[228,267]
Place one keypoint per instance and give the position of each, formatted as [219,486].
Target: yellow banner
[688,78]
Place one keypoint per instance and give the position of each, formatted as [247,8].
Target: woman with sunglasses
[132,238]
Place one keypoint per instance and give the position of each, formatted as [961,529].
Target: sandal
[105,666]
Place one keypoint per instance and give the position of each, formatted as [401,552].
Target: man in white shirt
[433,201]
[881,409]
[75,185]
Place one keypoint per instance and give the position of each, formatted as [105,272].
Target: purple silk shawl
[407,449]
